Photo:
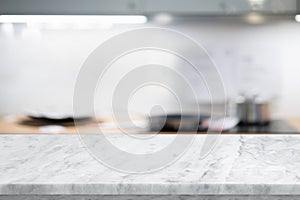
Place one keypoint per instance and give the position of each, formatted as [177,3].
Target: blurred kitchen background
[254,43]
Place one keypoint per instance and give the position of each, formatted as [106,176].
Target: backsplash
[39,67]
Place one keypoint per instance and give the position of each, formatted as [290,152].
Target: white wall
[39,68]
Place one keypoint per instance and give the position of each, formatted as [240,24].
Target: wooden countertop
[25,125]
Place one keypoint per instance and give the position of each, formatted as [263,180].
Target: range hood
[147,7]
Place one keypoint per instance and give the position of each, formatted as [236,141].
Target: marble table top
[238,165]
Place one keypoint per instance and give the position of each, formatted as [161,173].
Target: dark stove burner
[275,126]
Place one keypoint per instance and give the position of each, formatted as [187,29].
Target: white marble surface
[238,165]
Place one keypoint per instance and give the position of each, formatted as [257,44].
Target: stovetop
[275,126]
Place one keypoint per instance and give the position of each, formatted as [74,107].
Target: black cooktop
[275,126]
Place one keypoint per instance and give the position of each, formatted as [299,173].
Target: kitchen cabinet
[148,7]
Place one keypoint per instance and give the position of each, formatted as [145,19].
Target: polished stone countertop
[238,165]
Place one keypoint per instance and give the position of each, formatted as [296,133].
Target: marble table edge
[150,189]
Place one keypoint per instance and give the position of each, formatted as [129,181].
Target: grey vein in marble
[238,165]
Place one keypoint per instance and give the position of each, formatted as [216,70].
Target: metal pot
[253,110]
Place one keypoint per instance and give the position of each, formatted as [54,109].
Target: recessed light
[255,18]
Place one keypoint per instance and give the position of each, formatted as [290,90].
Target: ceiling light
[255,18]
[163,18]
[114,19]
[297,18]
